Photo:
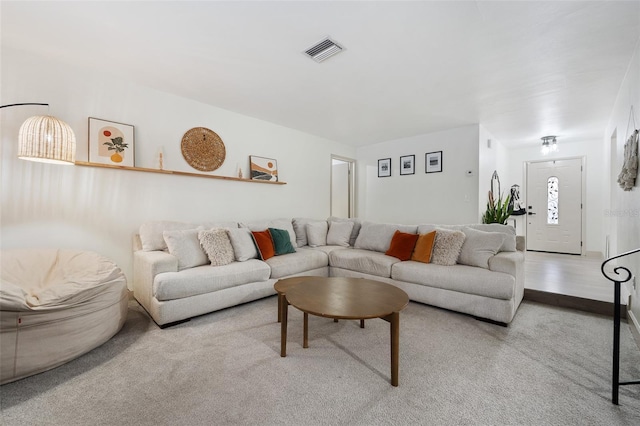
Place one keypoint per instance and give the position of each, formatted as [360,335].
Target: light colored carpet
[551,366]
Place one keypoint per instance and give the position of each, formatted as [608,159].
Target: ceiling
[522,69]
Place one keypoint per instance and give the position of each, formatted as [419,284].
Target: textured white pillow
[317,234]
[339,233]
[447,246]
[152,233]
[217,246]
[184,245]
[242,243]
[479,247]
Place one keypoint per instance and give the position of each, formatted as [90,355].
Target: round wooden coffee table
[347,298]
[281,287]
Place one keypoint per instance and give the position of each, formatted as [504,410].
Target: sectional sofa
[474,269]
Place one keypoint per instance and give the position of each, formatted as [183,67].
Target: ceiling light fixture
[45,139]
[549,144]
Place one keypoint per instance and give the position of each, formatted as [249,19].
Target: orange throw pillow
[424,247]
[264,243]
[402,245]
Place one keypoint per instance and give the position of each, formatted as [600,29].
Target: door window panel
[552,200]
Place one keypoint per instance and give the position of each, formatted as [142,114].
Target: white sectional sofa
[174,281]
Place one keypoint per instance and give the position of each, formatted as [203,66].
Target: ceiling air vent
[323,50]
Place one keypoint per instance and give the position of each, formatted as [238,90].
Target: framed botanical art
[111,143]
[408,165]
[433,162]
[384,167]
[262,168]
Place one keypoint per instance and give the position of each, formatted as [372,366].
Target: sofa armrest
[507,262]
[146,265]
[512,263]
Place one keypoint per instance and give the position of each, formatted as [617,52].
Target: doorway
[342,187]
[554,201]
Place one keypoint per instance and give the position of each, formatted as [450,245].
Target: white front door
[554,206]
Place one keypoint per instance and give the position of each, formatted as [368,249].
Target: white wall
[624,206]
[491,157]
[595,183]
[448,197]
[99,209]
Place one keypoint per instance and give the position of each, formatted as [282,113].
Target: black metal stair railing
[620,275]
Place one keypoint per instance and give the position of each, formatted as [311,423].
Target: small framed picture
[408,165]
[111,143]
[384,167]
[262,168]
[433,162]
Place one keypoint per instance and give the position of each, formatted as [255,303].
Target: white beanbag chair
[56,305]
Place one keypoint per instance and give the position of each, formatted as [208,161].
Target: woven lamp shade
[45,138]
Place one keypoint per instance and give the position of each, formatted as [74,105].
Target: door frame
[583,249]
[351,183]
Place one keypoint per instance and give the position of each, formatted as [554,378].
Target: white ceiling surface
[522,69]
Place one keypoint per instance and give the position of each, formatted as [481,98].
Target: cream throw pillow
[217,246]
[479,247]
[184,245]
[242,243]
[317,234]
[447,246]
[339,233]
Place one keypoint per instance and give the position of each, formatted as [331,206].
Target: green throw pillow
[281,241]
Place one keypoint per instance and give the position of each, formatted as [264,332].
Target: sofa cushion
[300,229]
[377,236]
[357,224]
[185,245]
[276,223]
[509,243]
[217,246]
[281,241]
[304,259]
[207,279]
[424,247]
[460,278]
[509,232]
[152,233]
[402,245]
[479,247]
[447,246]
[339,233]
[242,242]
[365,261]
[317,234]
[264,243]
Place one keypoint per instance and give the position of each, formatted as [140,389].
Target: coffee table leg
[280,297]
[283,328]
[361,323]
[305,338]
[395,346]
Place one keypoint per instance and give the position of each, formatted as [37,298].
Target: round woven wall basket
[203,149]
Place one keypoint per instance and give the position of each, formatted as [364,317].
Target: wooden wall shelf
[173,172]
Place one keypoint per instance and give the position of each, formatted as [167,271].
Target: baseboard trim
[572,302]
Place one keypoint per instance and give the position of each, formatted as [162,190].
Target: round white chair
[56,305]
